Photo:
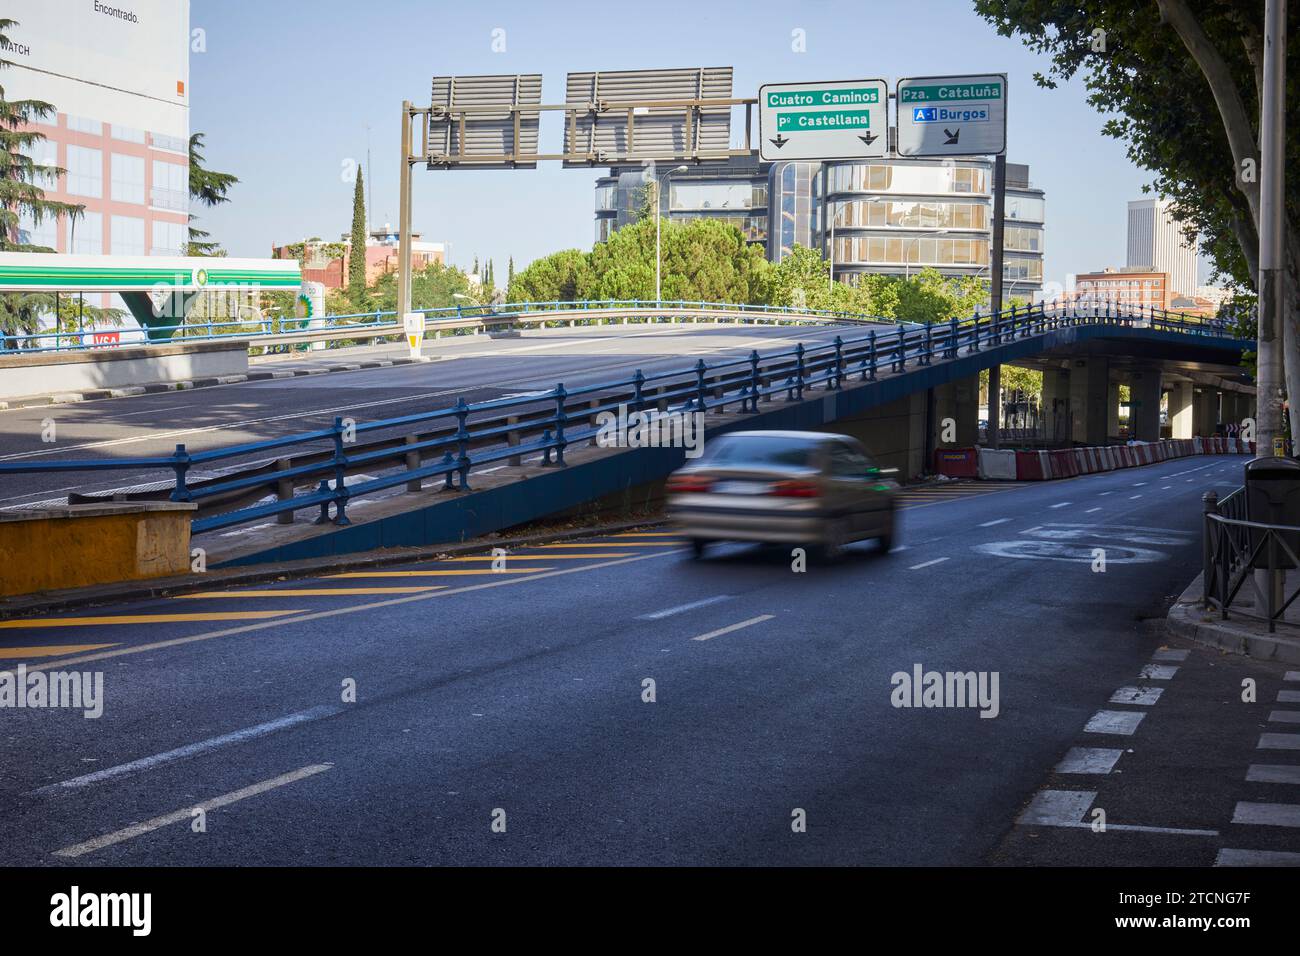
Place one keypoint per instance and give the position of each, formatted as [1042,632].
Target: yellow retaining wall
[78,545]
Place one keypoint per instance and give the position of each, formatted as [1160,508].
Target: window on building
[128,178]
[85,172]
[44,152]
[173,144]
[79,124]
[1023,239]
[86,234]
[171,188]
[127,236]
[127,134]
[169,238]
[1024,207]
[45,233]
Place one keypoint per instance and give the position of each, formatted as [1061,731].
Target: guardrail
[1234,549]
[275,331]
[449,443]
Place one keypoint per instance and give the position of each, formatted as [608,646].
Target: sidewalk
[1238,634]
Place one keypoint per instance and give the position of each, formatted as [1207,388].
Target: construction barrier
[957,462]
[997,464]
[1032,466]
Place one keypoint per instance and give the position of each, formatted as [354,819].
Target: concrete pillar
[1205,411]
[1144,404]
[893,433]
[1112,411]
[1180,411]
[1089,394]
[956,413]
[1056,405]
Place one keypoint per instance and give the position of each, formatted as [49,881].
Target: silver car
[807,488]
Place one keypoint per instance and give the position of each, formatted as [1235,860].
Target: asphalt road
[477,369]
[517,699]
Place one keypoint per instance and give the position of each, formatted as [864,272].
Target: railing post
[900,355]
[1209,506]
[412,463]
[952,337]
[870,374]
[700,391]
[323,489]
[834,382]
[512,440]
[753,381]
[560,419]
[283,491]
[638,390]
[974,334]
[462,443]
[799,371]
[929,344]
[181,465]
[448,463]
[340,469]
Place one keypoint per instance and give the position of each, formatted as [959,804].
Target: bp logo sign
[200,277]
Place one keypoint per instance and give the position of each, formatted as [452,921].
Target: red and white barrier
[997,464]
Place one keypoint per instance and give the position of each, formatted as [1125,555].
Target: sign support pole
[404,217]
[1269,380]
[995,289]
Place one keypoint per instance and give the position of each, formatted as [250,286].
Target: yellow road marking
[50,650]
[621,544]
[146,618]
[308,592]
[338,611]
[433,573]
[544,557]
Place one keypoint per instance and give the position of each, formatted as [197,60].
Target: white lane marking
[167,819]
[1088,760]
[1292,675]
[1113,722]
[1091,510]
[669,612]
[1103,494]
[1278,742]
[1057,807]
[1031,530]
[734,627]
[926,564]
[989,524]
[1157,672]
[901,547]
[1267,814]
[1272,773]
[190,750]
[1169,654]
[1288,697]
[1133,497]
[1285,716]
[1229,857]
[1143,696]
[1061,505]
[1166,487]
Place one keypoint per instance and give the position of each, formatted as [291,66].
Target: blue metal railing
[218,329]
[467,436]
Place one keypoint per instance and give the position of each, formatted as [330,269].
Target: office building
[118,79]
[327,262]
[1129,288]
[1156,243]
[892,216]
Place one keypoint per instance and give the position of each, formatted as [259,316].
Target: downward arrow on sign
[779,141]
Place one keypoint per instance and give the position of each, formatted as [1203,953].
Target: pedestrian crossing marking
[50,650]
[145,619]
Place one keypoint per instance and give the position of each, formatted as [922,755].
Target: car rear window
[760,450]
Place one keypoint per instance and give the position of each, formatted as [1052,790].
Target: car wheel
[697,548]
[887,539]
[832,546]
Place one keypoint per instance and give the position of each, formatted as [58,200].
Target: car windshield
[761,450]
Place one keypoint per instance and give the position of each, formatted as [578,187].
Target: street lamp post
[658,255]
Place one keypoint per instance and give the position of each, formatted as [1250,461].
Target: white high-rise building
[1156,242]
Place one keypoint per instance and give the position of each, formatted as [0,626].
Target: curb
[25,604]
[97,394]
[1190,620]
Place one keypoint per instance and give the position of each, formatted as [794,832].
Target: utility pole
[1272,169]
[995,292]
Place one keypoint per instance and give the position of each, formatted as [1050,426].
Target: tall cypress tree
[357,257]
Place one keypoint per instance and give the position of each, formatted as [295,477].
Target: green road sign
[952,115]
[845,119]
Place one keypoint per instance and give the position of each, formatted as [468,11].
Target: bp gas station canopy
[158,290]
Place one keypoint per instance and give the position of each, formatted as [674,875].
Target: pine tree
[209,188]
[510,271]
[357,257]
[475,270]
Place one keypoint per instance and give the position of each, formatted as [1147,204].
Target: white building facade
[1156,243]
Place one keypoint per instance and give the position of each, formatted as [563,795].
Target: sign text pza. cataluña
[952,115]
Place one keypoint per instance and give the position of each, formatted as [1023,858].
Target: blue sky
[290,92]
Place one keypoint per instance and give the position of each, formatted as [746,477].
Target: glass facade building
[892,216]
